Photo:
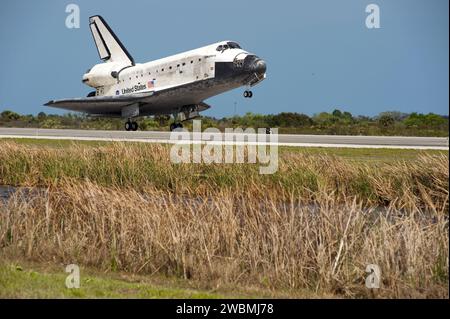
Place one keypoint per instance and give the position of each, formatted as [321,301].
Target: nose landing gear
[248,94]
[131,126]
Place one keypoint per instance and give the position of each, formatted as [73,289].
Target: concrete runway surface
[440,143]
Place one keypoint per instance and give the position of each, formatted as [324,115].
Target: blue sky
[320,54]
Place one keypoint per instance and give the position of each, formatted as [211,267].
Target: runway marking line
[164,141]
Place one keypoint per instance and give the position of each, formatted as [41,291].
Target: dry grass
[228,239]
[315,225]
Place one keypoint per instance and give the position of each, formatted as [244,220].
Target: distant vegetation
[337,122]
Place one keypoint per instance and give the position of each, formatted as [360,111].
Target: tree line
[336,122]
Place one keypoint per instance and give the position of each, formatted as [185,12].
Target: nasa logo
[117,92]
[150,84]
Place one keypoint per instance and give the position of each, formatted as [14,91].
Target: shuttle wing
[100,104]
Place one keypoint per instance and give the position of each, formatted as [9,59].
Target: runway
[437,143]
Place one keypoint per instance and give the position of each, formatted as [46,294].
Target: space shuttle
[176,85]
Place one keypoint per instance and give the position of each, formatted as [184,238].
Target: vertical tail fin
[108,45]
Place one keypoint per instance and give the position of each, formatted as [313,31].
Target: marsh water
[6,192]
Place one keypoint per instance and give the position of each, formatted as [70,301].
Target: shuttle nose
[260,66]
[255,64]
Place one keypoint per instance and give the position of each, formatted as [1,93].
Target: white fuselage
[186,78]
[166,73]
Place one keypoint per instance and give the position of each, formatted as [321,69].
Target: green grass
[385,155]
[27,279]
[19,282]
[356,154]
[52,143]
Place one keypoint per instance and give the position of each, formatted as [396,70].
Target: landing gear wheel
[248,94]
[174,126]
[128,126]
[268,130]
[134,126]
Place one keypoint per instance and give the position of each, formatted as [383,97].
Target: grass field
[376,177]
[309,230]
[17,281]
[363,154]
[31,279]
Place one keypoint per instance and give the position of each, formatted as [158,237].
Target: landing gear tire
[174,126]
[248,94]
[131,126]
[268,130]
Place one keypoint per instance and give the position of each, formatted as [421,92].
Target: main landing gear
[248,94]
[131,126]
[174,126]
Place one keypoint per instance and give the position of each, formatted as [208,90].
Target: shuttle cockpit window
[229,45]
[233,45]
[222,47]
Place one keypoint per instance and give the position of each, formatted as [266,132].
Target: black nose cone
[260,67]
[254,64]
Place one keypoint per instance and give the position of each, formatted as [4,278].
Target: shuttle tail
[109,47]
